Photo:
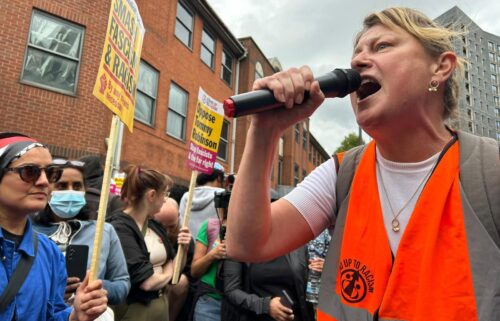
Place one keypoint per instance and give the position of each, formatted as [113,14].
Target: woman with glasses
[65,220]
[147,249]
[26,171]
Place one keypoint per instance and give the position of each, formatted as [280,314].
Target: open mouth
[368,87]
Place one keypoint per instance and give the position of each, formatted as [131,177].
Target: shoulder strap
[212,231]
[19,275]
[345,165]
[480,178]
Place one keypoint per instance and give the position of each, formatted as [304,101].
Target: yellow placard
[207,127]
[205,136]
[118,74]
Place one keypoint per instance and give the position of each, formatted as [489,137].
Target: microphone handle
[261,100]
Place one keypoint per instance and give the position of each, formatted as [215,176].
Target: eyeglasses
[70,163]
[31,173]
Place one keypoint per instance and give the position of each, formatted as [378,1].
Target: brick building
[49,66]
[49,62]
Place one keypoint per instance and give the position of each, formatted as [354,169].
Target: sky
[320,33]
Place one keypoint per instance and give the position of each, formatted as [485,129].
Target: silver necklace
[396,226]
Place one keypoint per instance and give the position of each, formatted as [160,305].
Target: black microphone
[337,83]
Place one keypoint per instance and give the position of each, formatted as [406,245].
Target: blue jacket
[41,297]
[112,264]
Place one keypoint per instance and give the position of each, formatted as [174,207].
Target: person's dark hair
[139,180]
[203,179]
[177,191]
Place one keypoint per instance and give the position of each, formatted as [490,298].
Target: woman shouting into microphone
[411,241]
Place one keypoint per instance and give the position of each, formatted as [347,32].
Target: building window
[497,101]
[492,57]
[492,68]
[491,46]
[53,53]
[177,111]
[304,136]
[297,133]
[207,49]
[494,89]
[259,71]
[295,175]
[184,25]
[145,100]
[224,141]
[280,170]
[227,67]
[494,78]
[497,112]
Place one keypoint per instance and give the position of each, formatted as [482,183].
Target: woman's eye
[381,46]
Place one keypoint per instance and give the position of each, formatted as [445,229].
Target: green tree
[350,141]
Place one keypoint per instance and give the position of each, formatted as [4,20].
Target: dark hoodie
[92,172]
[137,254]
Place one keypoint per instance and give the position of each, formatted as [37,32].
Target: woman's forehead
[71,173]
[38,155]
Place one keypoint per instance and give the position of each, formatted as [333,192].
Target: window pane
[183,34]
[208,41]
[177,100]
[50,70]
[226,75]
[224,131]
[184,16]
[55,35]
[222,151]
[144,107]
[148,80]
[207,57]
[175,124]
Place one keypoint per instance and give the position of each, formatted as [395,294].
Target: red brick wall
[77,125]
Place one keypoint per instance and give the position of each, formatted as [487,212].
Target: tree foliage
[350,141]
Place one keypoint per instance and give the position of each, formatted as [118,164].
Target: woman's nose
[360,60]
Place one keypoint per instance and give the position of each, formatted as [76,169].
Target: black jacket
[137,255]
[238,288]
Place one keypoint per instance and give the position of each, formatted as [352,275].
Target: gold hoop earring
[433,85]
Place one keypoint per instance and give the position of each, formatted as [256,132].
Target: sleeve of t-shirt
[315,196]
[202,233]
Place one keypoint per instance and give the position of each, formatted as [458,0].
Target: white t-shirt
[315,197]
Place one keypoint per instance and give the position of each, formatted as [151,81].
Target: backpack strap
[345,165]
[19,275]
[480,179]
[213,227]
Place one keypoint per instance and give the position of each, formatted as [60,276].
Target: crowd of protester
[55,201]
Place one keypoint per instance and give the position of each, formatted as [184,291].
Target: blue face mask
[67,204]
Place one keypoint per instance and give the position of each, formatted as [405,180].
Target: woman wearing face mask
[26,170]
[65,221]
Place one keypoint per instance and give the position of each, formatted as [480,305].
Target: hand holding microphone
[337,83]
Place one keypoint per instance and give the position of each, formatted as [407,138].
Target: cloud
[320,34]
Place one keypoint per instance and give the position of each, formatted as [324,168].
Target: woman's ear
[445,66]
[150,195]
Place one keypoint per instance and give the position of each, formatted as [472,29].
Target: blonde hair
[434,38]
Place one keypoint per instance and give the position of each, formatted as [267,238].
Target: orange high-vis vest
[447,267]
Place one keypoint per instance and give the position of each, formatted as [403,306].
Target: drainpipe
[235,120]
